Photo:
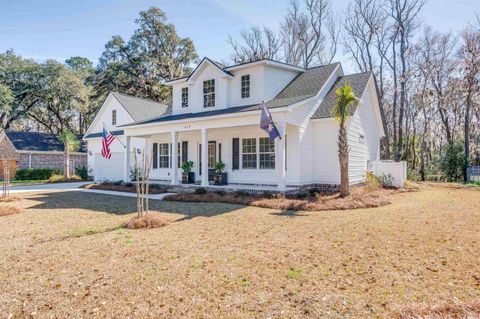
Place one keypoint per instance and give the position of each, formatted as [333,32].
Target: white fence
[473,174]
[398,170]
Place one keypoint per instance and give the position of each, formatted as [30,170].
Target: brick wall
[54,161]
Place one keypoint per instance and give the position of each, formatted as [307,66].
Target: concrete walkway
[75,187]
[46,187]
[126,194]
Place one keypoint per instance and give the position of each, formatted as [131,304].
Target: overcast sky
[59,29]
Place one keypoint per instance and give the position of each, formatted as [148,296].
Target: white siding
[275,79]
[265,83]
[326,168]
[105,116]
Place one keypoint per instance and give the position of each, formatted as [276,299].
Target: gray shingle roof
[141,109]
[358,82]
[99,134]
[304,86]
[39,142]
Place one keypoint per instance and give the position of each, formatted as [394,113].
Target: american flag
[107,139]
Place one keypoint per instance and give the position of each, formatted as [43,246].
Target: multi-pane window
[209,93]
[114,117]
[184,97]
[211,155]
[249,153]
[245,86]
[163,155]
[266,153]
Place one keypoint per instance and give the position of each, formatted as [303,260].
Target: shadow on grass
[119,205]
[289,213]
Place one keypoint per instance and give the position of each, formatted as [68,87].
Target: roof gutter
[213,117]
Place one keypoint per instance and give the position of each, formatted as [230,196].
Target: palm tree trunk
[343,158]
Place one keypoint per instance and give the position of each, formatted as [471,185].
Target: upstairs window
[209,93]
[114,117]
[245,86]
[184,97]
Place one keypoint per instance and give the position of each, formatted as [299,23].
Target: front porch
[252,162]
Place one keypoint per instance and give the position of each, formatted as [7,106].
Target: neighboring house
[215,116]
[39,150]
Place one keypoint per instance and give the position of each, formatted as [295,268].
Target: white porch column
[280,155]
[204,157]
[174,169]
[126,175]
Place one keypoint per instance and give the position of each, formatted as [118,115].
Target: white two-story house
[215,116]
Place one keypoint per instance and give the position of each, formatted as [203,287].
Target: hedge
[35,173]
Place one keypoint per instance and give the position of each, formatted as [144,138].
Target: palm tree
[341,111]
[71,144]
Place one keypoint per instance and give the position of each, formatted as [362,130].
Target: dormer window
[114,117]
[209,93]
[184,97]
[245,86]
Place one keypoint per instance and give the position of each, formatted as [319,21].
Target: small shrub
[200,191]
[82,172]
[117,183]
[371,181]
[314,191]
[220,193]
[129,184]
[268,195]
[241,193]
[386,180]
[302,195]
[154,186]
[294,273]
[35,173]
[59,178]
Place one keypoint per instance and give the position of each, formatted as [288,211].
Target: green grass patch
[294,273]
[77,232]
[243,282]
[474,183]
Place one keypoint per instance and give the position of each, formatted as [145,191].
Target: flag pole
[114,135]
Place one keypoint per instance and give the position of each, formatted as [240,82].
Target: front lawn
[65,255]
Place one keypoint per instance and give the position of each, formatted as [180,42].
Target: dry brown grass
[148,221]
[446,310]
[9,199]
[9,210]
[64,256]
[123,188]
[360,198]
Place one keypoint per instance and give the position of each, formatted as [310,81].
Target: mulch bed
[150,220]
[125,188]
[9,210]
[359,198]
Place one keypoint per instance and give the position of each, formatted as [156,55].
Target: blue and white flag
[267,124]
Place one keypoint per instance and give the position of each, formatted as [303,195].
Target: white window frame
[270,152]
[163,152]
[209,94]
[245,86]
[184,97]
[250,153]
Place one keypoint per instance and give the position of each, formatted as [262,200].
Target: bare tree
[404,14]
[469,54]
[257,43]
[437,65]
